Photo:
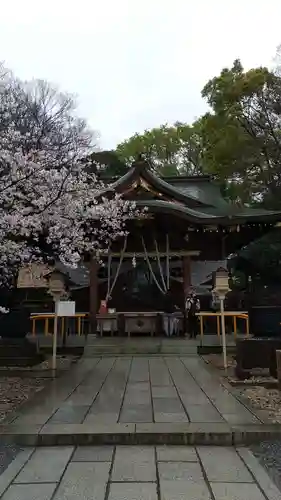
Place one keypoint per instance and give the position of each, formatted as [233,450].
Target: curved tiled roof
[240,216]
[197,199]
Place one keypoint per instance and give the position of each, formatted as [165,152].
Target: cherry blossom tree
[51,207]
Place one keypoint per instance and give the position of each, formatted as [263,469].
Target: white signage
[65,308]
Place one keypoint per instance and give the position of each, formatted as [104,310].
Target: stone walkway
[137,390]
[135,400]
[136,473]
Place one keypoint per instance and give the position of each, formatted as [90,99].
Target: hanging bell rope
[150,267]
[159,265]
[110,290]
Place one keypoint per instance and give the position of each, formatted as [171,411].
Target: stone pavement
[136,473]
[137,390]
[136,400]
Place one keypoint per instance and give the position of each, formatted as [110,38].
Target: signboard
[32,276]
[65,308]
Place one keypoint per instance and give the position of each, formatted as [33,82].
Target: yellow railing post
[46,326]
[235,324]
[46,317]
[232,314]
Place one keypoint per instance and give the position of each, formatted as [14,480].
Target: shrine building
[187,230]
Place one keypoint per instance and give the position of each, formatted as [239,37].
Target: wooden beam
[172,253]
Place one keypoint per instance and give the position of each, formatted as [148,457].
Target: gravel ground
[63,362]
[262,398]
[269,455]
[256,396]
[14,391]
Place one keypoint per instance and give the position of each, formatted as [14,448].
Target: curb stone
[137,434]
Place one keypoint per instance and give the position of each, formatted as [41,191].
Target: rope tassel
[110,289]
[150,267]
[159,265]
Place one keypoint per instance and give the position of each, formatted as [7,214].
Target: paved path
[136,473]
[137,390]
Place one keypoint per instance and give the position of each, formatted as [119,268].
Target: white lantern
[221,287]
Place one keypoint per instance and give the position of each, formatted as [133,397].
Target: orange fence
[47,317]
[232,314]
[80,317]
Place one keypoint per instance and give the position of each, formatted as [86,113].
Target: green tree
[238,141]
[107,164]
[241,135]
[172,150]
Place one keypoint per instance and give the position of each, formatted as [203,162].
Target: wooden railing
[232,314]
[78,318]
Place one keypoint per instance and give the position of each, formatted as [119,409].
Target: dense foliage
[238,141]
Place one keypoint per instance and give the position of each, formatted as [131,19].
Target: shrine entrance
[141,279]
[134,284]
[181,221]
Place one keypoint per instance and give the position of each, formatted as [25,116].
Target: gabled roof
[197,199]
[141,174]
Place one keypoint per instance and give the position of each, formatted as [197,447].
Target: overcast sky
[136,64]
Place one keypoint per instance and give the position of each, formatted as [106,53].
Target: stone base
[209,349]
[63,351]
[19,352]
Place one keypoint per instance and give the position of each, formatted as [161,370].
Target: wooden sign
[32,276]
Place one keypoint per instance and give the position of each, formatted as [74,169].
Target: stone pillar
[93,295]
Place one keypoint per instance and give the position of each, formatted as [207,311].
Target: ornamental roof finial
[140,162]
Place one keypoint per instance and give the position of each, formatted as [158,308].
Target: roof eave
[157,206]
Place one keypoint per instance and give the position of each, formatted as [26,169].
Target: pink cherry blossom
[50,206]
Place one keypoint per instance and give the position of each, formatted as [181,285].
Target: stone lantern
[221,288]
[57,289]
[56,285]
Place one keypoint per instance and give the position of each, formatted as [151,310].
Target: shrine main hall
[185,232]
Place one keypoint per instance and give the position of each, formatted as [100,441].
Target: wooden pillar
[93,295]
[186,272]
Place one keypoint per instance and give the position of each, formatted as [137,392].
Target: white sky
[135,64]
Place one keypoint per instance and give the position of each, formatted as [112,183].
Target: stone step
[21,360]
[138,434]
[100,350]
